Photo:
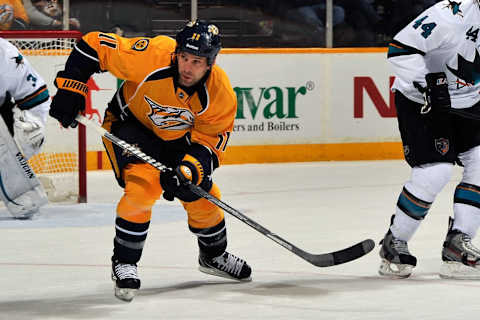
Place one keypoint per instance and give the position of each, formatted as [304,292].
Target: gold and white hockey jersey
[151,95]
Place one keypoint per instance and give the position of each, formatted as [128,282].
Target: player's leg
[413,204]
[207,222]
[131,226]
[461,259]
[427,149]
[141,189]
[20,189]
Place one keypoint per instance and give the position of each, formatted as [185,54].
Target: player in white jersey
[24,105]
[436,62]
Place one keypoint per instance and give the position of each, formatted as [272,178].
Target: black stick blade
[342,256]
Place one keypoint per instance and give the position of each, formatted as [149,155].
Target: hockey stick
[320,260]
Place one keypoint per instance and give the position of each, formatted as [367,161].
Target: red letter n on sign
[360,83]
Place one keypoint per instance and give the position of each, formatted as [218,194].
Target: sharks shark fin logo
[467,71]
[455,7]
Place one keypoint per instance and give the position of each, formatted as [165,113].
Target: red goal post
[61,166]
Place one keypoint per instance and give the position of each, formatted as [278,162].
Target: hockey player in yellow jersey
[177,106]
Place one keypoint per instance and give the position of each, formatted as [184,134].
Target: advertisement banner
[328,100]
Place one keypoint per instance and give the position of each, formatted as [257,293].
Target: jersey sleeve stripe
[39,96]
[396,48]
[108,44]
[106,36]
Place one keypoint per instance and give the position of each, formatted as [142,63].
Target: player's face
[191,68]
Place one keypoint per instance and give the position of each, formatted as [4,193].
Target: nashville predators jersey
[150,93]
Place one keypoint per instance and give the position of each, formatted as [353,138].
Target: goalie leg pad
[20,188]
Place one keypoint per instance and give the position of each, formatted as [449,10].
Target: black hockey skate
[126,280]
[461,259]
[397,262]
[226,265]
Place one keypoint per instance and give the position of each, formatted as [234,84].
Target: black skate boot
[126,280]
[396,261]
[461,259]
[226,265]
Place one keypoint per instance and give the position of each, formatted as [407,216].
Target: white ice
[57,266]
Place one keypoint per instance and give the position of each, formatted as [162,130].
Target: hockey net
[61,166]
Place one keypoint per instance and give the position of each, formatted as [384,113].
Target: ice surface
[57,265]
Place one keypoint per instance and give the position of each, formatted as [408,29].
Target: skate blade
[218,273]
[125,294]
[458,271]
[395,271]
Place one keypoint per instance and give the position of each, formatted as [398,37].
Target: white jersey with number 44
[444,38]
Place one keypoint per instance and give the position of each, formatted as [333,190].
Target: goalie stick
[320,260]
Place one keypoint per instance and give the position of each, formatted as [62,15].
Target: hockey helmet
[201,39]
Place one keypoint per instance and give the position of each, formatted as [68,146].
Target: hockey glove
[69,100]
[437,91]
[29,132]
[437,97]
[195,167]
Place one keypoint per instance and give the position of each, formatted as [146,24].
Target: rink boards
[293,105]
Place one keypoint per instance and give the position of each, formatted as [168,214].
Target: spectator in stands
[47,14]
[13,15]
[364,19]
[314,13]
[400,12]
[121,15]
[301,21]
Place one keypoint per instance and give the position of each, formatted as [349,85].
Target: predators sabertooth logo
[168,117]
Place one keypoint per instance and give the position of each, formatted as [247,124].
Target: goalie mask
[201,39]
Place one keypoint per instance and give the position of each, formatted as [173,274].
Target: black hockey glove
[437,91]
[69,100]
[196,168]
[437,97]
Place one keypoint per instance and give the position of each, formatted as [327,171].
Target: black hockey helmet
[201,39]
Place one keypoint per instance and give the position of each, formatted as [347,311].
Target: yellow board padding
[314,152]
[98,160]
[290,153]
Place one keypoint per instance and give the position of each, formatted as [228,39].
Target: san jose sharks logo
[18,60]
[455,7]
[168,117]
[467,71]
[442,145]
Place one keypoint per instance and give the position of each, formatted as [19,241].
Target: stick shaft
[194,188]
[320,260]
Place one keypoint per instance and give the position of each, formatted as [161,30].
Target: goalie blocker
[20,189]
